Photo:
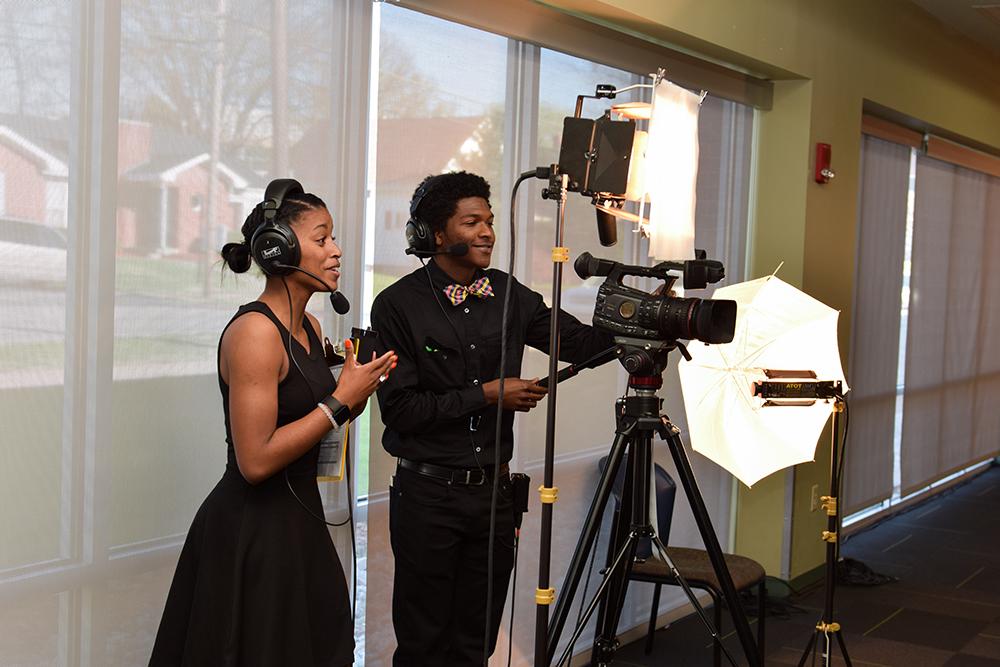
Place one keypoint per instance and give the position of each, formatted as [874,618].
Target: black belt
[462,476]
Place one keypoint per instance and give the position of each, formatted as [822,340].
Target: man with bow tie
[439,410]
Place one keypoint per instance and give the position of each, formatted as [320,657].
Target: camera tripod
[638,418]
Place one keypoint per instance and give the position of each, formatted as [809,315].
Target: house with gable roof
[34,176]
[162,187]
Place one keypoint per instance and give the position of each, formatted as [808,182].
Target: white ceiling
[977,19]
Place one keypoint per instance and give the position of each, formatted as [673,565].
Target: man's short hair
[443,194]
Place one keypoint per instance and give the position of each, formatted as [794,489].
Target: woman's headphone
[419,235]
[274,244]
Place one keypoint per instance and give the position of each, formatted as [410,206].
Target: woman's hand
[359,381]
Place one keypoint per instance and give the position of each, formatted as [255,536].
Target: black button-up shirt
[434,395]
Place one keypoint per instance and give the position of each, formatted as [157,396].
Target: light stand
[827,625]
[789,394]
[610,171]
[594,160]
[545,594]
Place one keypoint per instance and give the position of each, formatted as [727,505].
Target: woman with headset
[258,581]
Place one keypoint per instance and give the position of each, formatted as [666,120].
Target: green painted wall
[826,58]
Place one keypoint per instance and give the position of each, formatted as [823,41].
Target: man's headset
[419,235]
[274,245]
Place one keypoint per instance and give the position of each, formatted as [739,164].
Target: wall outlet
[814,498]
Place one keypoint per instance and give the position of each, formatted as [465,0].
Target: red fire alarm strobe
[824,174]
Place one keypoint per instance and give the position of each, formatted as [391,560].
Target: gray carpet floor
[943,611]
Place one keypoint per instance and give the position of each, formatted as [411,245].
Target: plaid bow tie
[458,293]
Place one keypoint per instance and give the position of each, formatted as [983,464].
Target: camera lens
[707,320]
[715,320]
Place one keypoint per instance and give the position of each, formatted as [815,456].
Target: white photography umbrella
[778,328]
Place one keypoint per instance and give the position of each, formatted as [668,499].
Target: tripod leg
[625,555]
[761,616]
[588,535]
[652,620]
[713,628]
[810,648]
[708,536]
[843,648]
[620,534]
[717,644]
[606,632]
[624,531]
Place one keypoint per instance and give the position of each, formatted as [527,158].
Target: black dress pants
[440,536]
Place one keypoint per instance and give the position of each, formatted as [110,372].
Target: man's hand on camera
[518,394]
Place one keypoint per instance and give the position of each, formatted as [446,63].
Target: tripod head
[645,360]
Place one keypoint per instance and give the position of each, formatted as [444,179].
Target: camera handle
[599,359]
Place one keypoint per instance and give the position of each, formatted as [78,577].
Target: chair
[693,564]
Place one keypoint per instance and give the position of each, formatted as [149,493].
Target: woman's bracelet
[328,413]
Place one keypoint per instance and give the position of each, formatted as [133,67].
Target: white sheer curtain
[875,337]
[951,402]
[134,138]
[986,396]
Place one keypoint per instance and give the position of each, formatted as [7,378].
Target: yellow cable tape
[545,595]
[548,494]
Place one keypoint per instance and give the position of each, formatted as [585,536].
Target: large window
[134,139]
[922,394]
[499,114]
[437,110]
[34,163]
[199,103]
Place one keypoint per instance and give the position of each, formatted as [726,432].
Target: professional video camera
[645,323]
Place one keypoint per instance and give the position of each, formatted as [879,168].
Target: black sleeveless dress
[258,581]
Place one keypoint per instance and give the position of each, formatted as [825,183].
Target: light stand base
[826,625]
[825,630]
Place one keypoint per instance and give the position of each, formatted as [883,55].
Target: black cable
[437,300]
[347,463]
[843,445]
[583,594]
[513,597]
[350,511]
[291,356]
[350,519]
[499,429]
[461,351]
[840,476]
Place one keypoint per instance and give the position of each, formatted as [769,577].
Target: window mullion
[91,275]
[520,153]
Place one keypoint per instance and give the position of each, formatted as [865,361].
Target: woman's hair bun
[237,256]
